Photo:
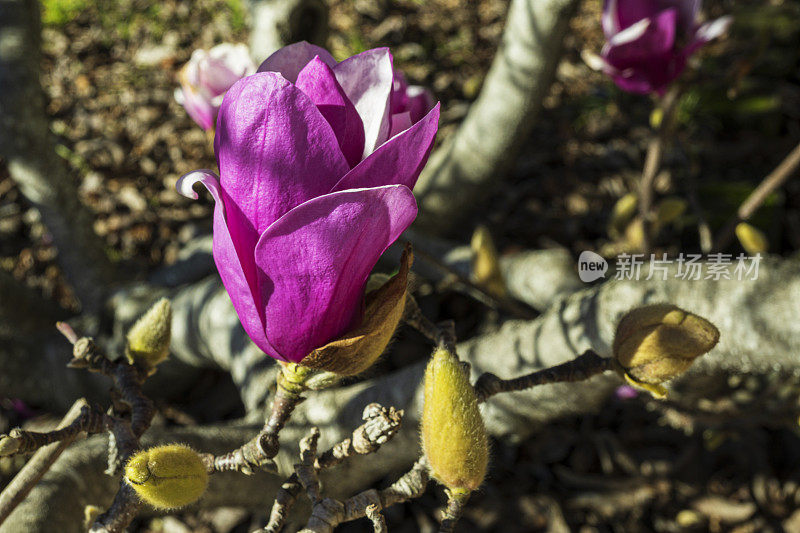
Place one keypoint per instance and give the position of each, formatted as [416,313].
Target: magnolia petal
[400,122]
[708,32]
[290,60]
[644,54]
[231,268]
[275,151]
[397,161]
[314,262]
[319,83]
[197,106]
[367,80]
[356,351]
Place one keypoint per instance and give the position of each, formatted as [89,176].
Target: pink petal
[367,80]
[275,150]
[319,83]
[400,122]
[708,32]
[643,54]
[315,261]
[239,277]
[291,59]
[397,161]
[198,106]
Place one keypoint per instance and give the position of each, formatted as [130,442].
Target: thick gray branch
[29,150]
[759,333]
[499,121]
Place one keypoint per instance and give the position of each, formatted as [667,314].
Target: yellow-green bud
[168,476]
[148,339]
[453,435]
[622,213]
[656,343]
[486,263]
[669,210]
[752,239]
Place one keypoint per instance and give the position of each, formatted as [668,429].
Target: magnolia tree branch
[785,170]
[759,333]
[29,150]
[486,143]
[73,426]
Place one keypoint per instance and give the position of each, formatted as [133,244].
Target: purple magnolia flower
[649,41]
[312,190]
[206,77]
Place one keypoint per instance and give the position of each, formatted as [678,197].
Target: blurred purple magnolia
[313,188]
[206,77]
[649,41]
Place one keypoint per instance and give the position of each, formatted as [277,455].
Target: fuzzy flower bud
[656,343]
[752,239]
[149,338]
[167,477]
[486,263]
[453,434]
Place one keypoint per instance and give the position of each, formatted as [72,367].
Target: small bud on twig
[149,338]
[656,343]
[486,263]
[168,476]
[453,434]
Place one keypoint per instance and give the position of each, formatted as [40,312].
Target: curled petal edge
[208,178]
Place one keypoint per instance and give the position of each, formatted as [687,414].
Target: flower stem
[652,163]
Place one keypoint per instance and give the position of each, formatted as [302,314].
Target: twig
[306,473]
[652,162]
[579,369]
[329,513]
[88,421]
[375,516]
[456,501]
[124,433]
[380,425]
[259,451]
[43,459]
[775,179]
[442,334]
[508,305]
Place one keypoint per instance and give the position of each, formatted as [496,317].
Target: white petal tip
[185,184]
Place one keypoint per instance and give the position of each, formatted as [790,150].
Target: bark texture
[29,150]
[487,142]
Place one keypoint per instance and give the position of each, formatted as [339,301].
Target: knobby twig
[375,516]
[329,513]
[380,425]
[456,502]
[260,451]
[581,368]
[652,163]
[754,201]
[77,423]
[440,334]
[131,415]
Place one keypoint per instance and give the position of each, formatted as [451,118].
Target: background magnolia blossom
[206,77]
[316,171]
[649,41]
